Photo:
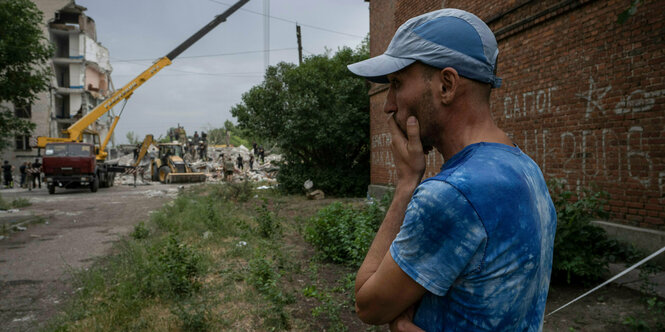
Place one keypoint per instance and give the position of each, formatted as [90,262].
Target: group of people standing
[30,174]
[199,145]
[229,165]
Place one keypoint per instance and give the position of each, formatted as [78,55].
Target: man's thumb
[413,130]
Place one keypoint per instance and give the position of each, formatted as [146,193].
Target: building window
[22,143]
[23,111]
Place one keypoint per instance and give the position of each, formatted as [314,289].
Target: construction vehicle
[169,166]
[67,168]
[70,165]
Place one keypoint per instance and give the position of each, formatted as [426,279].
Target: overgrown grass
[217,257]
[16,203]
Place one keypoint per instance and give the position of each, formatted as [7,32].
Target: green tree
[24,52]
[318,115]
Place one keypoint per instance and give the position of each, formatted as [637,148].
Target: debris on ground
[316,195]
[212,166]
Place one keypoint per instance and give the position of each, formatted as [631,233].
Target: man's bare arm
[383,290]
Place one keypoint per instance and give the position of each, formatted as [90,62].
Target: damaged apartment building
[81,78]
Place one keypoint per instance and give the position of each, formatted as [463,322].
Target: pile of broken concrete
[212,167]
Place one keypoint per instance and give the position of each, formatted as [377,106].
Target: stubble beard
[426,119]
[425,113]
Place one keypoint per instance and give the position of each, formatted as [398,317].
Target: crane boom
[75,131]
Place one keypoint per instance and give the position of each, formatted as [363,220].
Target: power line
[211,55]
[231,74]
[239,75]
[290,21]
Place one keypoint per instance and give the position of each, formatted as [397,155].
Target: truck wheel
[163,173]
[51,189]
[95,184]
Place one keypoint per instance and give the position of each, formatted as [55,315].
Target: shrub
[268,223]
[582,251]
[193,316]
[180,265]
[342,233]
[140,231]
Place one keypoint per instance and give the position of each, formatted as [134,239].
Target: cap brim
[375,69]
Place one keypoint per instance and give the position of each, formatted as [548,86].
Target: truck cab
[70,165]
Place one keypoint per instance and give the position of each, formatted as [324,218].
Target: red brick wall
[583,95]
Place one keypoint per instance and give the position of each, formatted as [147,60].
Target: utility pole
[299,44]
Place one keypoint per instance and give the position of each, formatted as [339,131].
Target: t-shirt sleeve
[441,238]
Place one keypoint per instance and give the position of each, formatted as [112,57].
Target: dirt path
[75,227]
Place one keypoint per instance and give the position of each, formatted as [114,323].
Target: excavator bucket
[185,177]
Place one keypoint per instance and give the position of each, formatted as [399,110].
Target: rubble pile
[212,167]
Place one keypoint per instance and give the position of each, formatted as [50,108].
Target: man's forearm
[386,234]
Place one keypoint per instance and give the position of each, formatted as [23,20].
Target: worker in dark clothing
[251,162]
[7,174]
[37,173]
[202,151]
[136,151]
[239,161]
[22,171]
[262,154]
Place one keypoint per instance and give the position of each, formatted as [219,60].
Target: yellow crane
[74,134]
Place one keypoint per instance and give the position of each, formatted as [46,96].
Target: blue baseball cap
[442,38]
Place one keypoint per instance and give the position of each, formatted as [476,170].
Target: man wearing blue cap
[469,249]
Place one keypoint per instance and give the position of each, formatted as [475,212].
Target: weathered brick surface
[583,95]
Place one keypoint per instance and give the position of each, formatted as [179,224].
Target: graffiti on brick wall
[636,101]
[527,104]
[592,154]
[381,155]
[612,155]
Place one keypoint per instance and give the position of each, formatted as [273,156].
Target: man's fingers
[395,132]
[413,133]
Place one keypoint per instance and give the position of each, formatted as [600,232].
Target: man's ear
[448,82]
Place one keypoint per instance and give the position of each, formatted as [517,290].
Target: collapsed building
[212,166]
[81,78]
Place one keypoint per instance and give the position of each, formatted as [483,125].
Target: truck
[71,165]
[66,166]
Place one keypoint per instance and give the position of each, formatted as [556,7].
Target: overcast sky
[203,83]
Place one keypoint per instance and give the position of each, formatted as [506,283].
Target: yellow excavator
[169,166]
[64,173]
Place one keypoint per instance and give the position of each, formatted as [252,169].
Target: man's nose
[390,106]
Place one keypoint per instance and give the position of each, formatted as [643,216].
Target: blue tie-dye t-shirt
[479,237]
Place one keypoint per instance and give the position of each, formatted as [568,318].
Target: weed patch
[343,233]
[140,231]
[583,251]
[16,203]
[214,258]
